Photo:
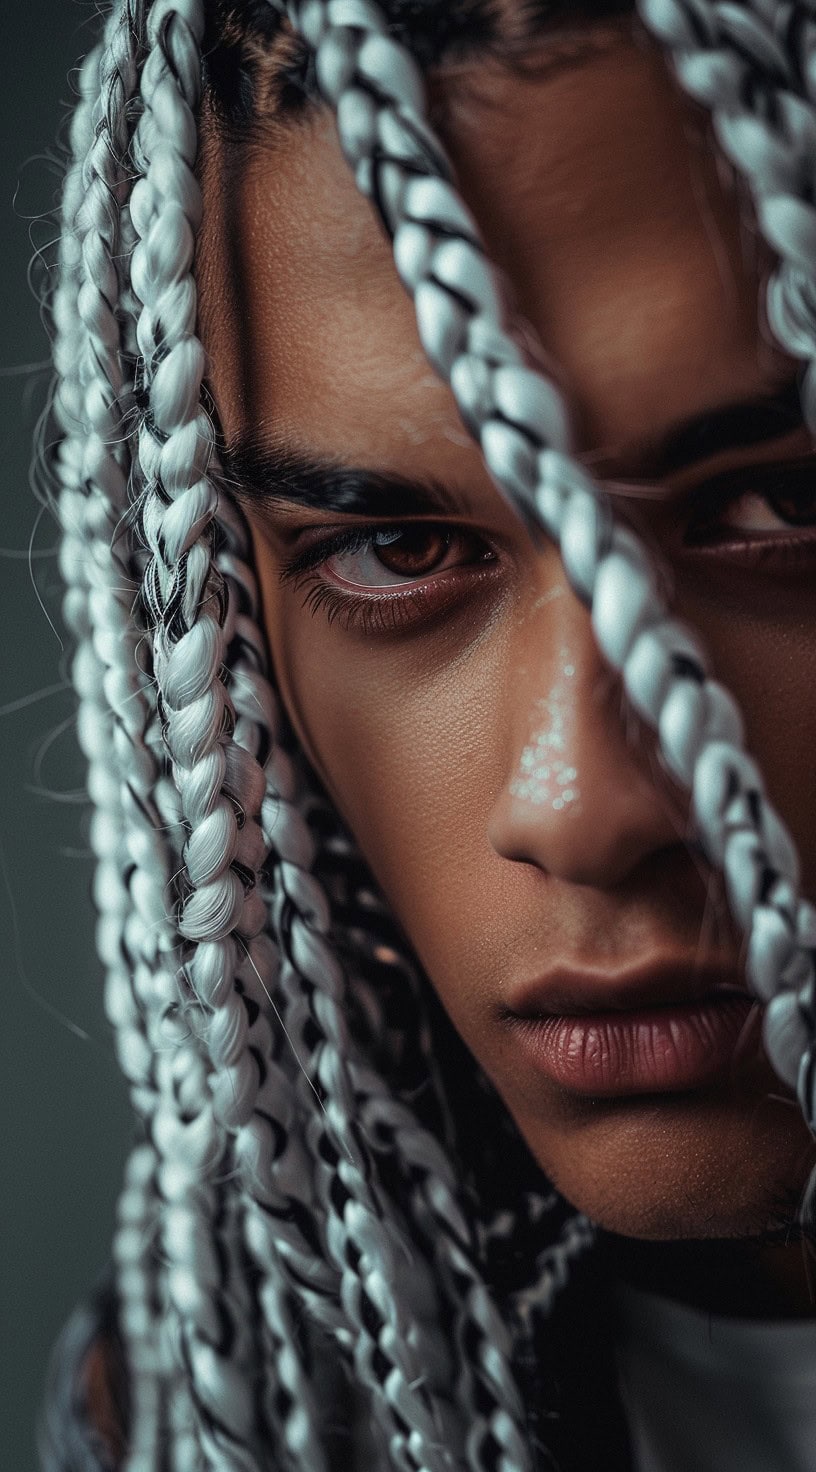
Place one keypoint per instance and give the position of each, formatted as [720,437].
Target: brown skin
[600,196]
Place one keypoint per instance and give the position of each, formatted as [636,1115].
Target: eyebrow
[274,477]
[714,431]
[271,477]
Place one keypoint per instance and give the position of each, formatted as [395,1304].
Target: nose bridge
[578,798]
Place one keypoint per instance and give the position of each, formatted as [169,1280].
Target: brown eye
[404,554]
[384,578]
[415,551]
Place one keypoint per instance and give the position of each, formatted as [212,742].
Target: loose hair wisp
[284,1197]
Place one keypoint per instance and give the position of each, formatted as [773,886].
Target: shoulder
[83,1421]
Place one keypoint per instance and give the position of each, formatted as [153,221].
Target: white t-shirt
[709,1394]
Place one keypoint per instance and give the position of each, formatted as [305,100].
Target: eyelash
[379,612]
[760,549]
[373,612]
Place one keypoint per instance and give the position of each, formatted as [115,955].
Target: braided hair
[305,1240]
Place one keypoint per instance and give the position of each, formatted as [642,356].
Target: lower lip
[659,1050]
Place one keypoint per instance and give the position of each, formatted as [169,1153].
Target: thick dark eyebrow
[712,432]
[270,477]
[273,477]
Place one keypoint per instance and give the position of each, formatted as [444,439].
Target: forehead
[602,203]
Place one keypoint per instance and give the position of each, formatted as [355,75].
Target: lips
[646,1031]
[568,993]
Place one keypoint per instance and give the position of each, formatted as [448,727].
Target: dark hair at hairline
[256,68]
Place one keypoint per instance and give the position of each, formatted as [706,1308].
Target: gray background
[65,1114]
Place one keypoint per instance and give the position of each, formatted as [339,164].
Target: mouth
[658,1032]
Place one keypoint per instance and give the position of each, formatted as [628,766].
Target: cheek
[401,745]
[412,750]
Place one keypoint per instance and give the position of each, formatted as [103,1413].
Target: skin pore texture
[626,248]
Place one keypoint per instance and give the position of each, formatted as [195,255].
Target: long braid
[434,1208]
[148,939]
[224,845]
[433,1183]
[289,1402]
[92,500]
[361,1248]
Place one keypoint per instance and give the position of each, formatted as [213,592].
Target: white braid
[522,424]
[91,501]
[133,917]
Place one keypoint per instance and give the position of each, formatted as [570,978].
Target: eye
[387,579]
[397,555]
[770,509]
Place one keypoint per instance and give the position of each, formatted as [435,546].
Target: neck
[743,1278]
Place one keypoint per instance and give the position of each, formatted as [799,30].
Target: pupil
[413,551]
[796,506]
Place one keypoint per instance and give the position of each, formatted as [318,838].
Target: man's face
[444,681]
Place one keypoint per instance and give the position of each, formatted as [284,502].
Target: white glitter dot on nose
[569,669]
[558,802]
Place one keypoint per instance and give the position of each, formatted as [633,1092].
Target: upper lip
[564,992]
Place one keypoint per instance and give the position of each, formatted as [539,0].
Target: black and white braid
[219,782]
[90,402]
[164,1196]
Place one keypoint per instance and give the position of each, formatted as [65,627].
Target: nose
[582,799]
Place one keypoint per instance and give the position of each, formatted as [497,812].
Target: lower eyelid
[372,610]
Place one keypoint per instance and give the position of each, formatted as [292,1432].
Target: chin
[653,1218]
[681,1166]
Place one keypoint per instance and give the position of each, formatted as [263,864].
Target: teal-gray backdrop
[65,1116]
